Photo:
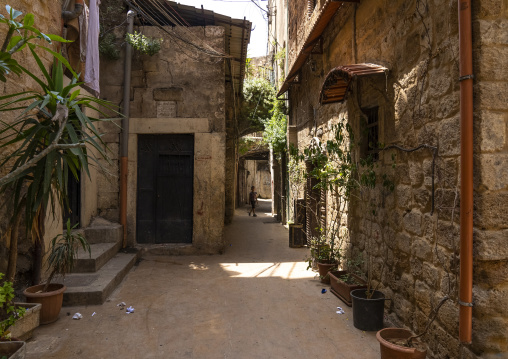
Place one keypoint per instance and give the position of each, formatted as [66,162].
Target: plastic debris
[93,314]
[77,316]
[129,310]
[121,304]
[340,311]
[323,291]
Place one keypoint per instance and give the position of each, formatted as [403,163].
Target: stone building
[394,66]
[182,134]
[182,140]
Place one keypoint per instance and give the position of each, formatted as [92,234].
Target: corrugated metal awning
[338,80]
[326,14]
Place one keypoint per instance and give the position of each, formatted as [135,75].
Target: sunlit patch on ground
[286,270]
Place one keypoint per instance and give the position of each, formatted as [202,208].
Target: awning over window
[338,80]
[326,14]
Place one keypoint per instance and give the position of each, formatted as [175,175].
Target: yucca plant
[50,135]
[64,251]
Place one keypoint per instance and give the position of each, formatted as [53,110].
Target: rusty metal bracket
[465,304]
[466,77]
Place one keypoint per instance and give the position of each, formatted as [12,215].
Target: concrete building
[396,63]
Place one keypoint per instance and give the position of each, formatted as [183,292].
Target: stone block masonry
[415,254]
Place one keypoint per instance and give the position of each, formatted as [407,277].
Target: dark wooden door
[165,188]
[72,209]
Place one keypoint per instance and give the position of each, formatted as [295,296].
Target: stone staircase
[95,277]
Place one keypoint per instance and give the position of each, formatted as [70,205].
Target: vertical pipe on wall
[124,143]
[466,172]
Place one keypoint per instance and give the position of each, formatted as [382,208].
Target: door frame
[204,161]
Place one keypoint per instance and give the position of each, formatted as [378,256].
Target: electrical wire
[149,15]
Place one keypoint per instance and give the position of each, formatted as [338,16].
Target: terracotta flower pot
[323,269]
[342,289]
[390,350]
[51,300]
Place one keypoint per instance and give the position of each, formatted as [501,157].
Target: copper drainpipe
[124,149]
[466,172]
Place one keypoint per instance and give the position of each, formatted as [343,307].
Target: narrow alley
[255,301]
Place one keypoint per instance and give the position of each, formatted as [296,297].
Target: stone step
[110,233]
[94,288]
[100,254]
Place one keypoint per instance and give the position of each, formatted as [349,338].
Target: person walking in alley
[253,199]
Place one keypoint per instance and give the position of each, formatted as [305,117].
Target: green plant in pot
[60,261]
[47,135]
[368,303]
[348,279]
[9,313]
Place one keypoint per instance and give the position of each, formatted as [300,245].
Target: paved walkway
[255,301]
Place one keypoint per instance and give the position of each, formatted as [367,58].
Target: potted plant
[344,281]
[61,257]
[10,347]
[368,304]
[400,343]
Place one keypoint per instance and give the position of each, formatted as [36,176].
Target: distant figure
[253,199]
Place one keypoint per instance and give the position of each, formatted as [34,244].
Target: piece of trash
[340,311]
[121,304]
[129,310]
[77,316]
[323,291]
[93,314]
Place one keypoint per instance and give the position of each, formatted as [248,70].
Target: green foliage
[258,95]
[63,251]
[50,132]
[108,46]
[265,113]
[145,45]
[20,32]
[275,128]
[8,312]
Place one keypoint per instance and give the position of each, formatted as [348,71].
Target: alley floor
[255,301]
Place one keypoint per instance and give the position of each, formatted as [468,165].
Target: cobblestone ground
[255,301]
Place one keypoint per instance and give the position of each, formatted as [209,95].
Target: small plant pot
[13,349]
[324,269]
[368,313]
[342,289]
[24,327]
[51,300]
[389,350]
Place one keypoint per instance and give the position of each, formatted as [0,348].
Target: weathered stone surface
[430,274]
[421,249]
[494,171]
[168,94]
[493,130]
[491,245]
[490,210]
[412,222]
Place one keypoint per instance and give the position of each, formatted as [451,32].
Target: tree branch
[61,116]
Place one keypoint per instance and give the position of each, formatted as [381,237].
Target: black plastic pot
[368,313]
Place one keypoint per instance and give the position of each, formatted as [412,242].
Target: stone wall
[47,19]
[414,252]
[258,175]
[177,90]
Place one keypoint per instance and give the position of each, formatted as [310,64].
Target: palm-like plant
[63,252]
[52,135]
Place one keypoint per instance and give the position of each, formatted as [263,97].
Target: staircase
[95,277]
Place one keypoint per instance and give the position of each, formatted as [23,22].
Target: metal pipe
[466,172]
[78,9]
[124,144]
